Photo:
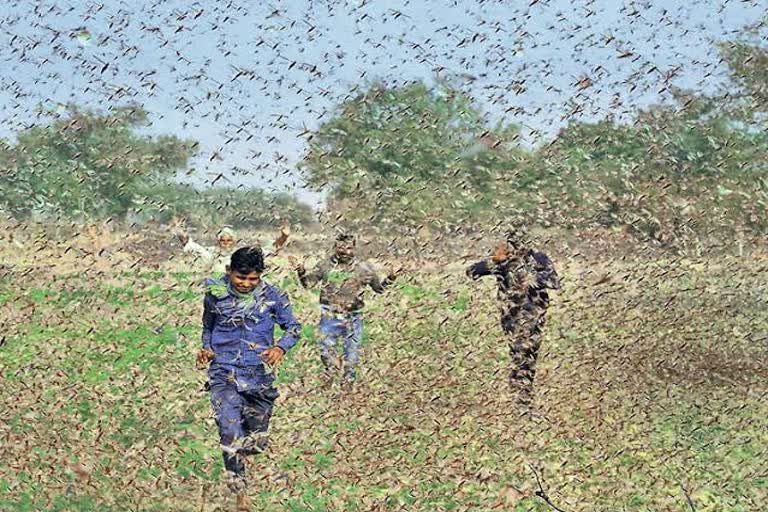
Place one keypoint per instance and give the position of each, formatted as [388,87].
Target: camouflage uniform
[341,306]
[523,300]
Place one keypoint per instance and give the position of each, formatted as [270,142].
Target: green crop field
[652,396]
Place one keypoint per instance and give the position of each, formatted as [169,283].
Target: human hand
[285,232]
[273,356]
[394,274]
[296,264]
[204,357]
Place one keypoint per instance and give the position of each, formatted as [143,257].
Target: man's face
[244,282]
[226,242]
[501,252]
[508,249]
[344,248]
[515,242]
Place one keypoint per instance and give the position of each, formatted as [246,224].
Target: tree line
[693,167]
[88,165]
[416,154]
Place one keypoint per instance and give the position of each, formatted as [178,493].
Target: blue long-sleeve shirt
[237,330]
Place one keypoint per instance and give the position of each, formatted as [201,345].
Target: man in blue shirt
[240,312]
[523,276]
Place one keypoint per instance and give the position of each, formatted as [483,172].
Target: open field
[652,389]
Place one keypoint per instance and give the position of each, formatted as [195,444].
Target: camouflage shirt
[343,283]
[522,283]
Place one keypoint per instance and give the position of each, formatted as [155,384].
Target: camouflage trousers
[523,329]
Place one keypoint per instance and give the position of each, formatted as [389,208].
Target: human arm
[546,276]
[285,231]
[198,250]
[283,314]
[309,279]
[209,319]
[371,278]
[480,269]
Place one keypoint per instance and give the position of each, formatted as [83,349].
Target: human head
[226,238]
[516,238]
[245,268]
[344,247]
[511,246]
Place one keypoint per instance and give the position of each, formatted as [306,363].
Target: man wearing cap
[226,241]
[523,276]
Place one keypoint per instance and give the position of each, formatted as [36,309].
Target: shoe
[326,379]
[349,375]
[243,502]
[348,383]
[330,364]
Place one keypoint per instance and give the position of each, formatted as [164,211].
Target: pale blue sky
[522,61]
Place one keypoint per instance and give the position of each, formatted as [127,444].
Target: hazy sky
[245,78]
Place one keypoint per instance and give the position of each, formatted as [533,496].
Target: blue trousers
[241,416]
[347,329]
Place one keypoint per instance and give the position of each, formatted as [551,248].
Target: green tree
[405,154]
[211,207]
[747,60]
[679,169]
[86,164]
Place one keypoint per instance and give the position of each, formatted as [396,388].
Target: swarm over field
[652,392]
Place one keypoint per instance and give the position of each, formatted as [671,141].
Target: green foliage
[237,207]
[679,170]
[405,154]
[86,165]
[747,60]
[694,168]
